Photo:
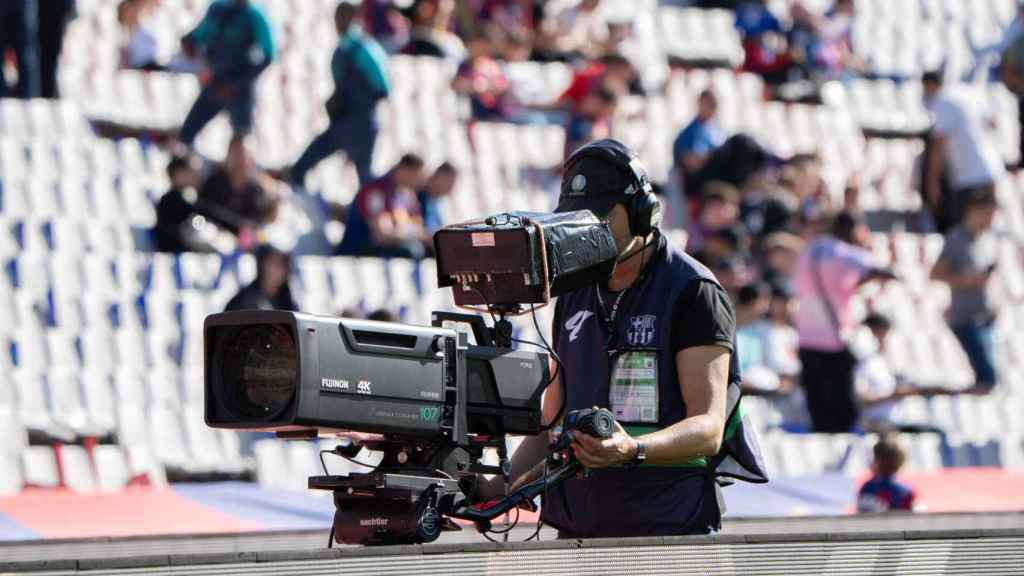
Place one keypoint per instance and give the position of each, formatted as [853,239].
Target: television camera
[426,398]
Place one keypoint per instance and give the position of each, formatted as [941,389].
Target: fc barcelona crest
[641,330]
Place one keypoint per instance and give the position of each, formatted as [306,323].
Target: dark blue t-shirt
[883,494]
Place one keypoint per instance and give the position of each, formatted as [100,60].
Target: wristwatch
[641,455]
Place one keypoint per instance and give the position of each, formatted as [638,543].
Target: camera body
[290,372]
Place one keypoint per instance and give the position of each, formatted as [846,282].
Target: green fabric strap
[734,421]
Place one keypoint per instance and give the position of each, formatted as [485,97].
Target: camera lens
[259,370]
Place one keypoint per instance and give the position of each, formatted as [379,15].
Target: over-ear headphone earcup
[644,210]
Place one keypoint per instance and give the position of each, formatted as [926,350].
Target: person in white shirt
[877,386]
[581,26]
[879,389]
[959,145]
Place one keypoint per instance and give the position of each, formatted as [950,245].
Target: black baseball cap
[597,177]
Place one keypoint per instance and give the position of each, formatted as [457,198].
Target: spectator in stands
[359,69]
[1011,71]
[382,315]
[54,16]
[141,50]
[18,33]
[236,41]
[592,120]
[724,245]
[483,81]
[580,28]
[836,51]
[829,273]
[732,271]
[990,57]
[877,386]
[780,336]
[967,263]
[384,218]
[385,22]
[612,70]
[803,178]
[177,227]
[270,289]
[241,197]
[764,42]
[883,493]
[719,210]
[429,35]
[695,143]
[958,146]
[736,161]
[438,186]
[767,209]
[780,256]
[752,304]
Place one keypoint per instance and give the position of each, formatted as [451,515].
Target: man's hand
[603,452]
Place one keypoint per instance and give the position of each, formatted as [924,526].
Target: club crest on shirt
[641,330]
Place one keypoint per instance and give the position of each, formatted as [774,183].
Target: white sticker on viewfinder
[480,239]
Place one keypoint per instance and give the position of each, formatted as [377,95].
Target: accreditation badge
[633,395]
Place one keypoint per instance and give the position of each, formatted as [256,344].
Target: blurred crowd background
[849,170]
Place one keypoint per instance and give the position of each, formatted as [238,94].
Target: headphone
[644,209]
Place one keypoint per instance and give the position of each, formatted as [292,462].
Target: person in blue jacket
[359,68]
[236,41]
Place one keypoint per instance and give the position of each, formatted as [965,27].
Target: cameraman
[654,344]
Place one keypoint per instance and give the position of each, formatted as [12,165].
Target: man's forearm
[525,467]
[685,440]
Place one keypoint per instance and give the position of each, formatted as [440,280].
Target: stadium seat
[34,408]
[76,469]
[13,435]
[112,472]
[271,463]
[143,466]
[303,462]
[925,451]
[203,446]
[167,438]
[99,401]
[230,449]
[67,404]
[40,465]
[11,478]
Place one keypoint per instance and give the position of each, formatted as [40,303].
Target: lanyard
[609,317]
